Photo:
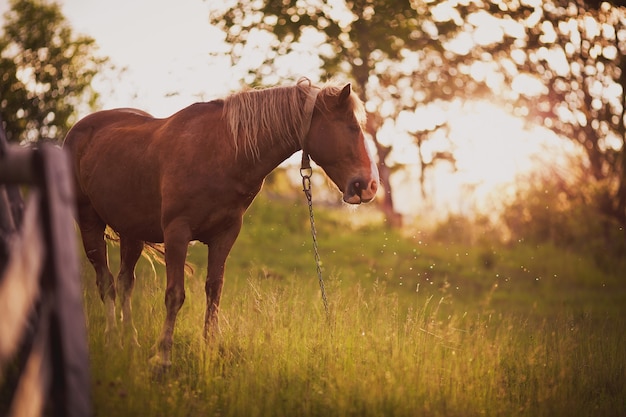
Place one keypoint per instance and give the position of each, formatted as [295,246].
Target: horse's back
[127,164]
[94,127]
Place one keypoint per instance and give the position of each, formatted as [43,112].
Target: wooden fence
[44,363]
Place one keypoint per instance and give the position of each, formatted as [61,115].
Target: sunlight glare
[339,12]
[528,85]
[492,149]
[488,29]
[446,11]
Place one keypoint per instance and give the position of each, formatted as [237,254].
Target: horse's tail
[156,252]
[153,252]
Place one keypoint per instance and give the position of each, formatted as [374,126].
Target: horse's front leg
[219,248]
[176,238]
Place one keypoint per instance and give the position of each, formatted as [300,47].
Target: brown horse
[193,175]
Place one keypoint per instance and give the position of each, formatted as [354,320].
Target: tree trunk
[621,189]
[392,217]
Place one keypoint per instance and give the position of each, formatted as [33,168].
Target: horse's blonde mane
[277,112]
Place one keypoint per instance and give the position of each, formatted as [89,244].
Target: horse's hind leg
[92,232]
[130,250]
[176,238]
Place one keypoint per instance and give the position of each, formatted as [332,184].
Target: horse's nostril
[374,186]
[361,190]
[356,187]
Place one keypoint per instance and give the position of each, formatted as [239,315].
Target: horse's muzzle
[360,191]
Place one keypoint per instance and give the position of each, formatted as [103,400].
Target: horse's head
[336,143]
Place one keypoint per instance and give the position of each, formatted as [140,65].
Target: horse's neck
[271,153]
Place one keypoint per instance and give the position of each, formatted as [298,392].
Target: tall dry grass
[474,340]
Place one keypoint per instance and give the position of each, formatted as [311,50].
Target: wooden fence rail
[42,319]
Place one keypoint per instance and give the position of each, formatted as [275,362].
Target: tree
[361,39]
[45,72]
[576,52]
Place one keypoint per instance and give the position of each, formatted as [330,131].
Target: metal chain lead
[306,173]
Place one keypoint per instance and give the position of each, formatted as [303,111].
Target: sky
[166,47]
[171,56]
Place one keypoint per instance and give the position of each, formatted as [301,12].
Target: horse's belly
[131,213]
[140,229]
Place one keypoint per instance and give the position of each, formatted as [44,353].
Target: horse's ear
[345,94]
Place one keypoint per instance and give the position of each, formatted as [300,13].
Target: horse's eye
[356,128]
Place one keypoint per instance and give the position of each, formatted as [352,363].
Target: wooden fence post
[56,373]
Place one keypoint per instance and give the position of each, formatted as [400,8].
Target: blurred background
[490,119]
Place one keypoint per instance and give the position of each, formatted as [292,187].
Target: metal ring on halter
[306,187]
[306,172]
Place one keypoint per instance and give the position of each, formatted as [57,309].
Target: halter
[309,107]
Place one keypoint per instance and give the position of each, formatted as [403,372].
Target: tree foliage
[46,71]
[557,63]
[576,53]
[357,34]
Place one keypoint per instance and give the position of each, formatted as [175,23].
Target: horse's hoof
[159,367]
[131,340]
[112,339]
[211,331]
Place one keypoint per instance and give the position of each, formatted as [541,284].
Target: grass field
[418,328]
